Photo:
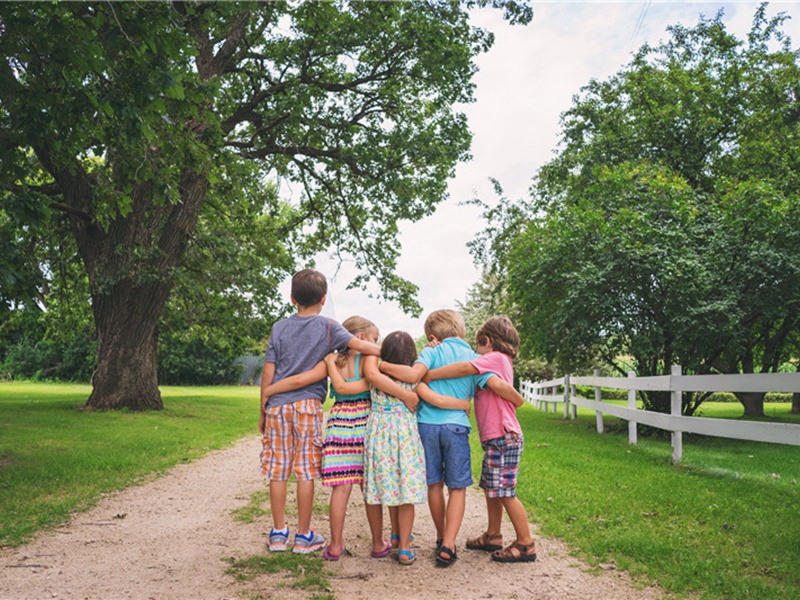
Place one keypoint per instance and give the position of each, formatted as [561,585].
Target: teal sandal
[394,540]
[406,557]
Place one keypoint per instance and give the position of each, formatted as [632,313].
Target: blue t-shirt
[451,350]
[297,344]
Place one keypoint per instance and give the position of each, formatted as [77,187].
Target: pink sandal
[387,548]
[326,554]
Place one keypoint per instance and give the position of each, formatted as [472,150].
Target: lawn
[723,524]
[56,457]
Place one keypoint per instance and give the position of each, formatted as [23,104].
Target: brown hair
[500,331]
[354,325]
[308,287]
[399,348]
[444,324]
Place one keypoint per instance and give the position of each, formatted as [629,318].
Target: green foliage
[665,230]
[121,124]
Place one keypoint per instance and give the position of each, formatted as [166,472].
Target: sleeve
[340,337]
[271,355]
[426,357]
[487,367]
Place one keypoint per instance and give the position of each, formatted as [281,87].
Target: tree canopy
[120,123]
[665,231]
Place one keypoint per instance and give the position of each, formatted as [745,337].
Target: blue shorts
[447,454]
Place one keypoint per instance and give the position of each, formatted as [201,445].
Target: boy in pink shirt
[501,439]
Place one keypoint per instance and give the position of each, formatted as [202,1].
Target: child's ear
[294,302]
[322,302]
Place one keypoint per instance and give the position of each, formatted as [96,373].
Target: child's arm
[457,369]
[345,388]
[440,400]
[386,385]
[267,373]
[295,382]
[505,390]
[365,347]
[413,374]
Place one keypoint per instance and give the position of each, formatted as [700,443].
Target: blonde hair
[354,325]
[444,324]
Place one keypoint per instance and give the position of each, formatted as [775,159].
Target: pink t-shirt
[495,417]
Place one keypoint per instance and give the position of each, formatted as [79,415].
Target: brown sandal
[486,542]
[516,552]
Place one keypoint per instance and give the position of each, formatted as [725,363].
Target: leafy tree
[123,119]
[666,227]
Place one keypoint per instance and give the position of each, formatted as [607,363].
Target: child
[291,422]
[445,431]
[501,438]
[394,457]
[343,444]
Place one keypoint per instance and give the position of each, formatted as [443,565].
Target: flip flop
[326,554]
[383,553]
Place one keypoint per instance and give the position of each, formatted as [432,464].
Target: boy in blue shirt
[445,432]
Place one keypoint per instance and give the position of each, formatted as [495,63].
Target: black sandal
[451,556]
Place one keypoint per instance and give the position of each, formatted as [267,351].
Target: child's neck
[309,311]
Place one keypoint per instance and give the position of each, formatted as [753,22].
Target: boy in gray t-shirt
[291,422]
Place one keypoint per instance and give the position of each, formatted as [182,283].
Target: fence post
[598,397]
[574,414]
[566,395]
[675,410]
[632,430]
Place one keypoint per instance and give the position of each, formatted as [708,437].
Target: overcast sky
[524,84]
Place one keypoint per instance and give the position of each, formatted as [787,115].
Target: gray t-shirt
[296,345]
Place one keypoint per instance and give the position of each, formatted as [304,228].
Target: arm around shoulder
[505,390]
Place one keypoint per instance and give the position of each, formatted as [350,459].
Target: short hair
[399,348]
[445,323]
[500,331]
[308,287]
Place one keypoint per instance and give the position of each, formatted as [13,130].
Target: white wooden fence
[548,394]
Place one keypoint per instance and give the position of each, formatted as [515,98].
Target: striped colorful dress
[343,446]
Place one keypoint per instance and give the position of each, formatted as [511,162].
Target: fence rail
[549,394]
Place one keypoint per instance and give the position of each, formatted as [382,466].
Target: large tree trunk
[127,342]
[753,403]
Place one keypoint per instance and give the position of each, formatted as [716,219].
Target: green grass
[56,457]
[723,524]
[305,570]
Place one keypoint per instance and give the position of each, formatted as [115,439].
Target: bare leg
[405,514]
[277,503]
[436,504]
[305,502]
[519,518]
[456,503]
[494,511]
[394,521]
[375,520]
[336,512]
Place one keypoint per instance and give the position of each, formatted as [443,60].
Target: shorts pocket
[457,429]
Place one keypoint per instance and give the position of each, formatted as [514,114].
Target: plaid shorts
[501,465]
[292,441]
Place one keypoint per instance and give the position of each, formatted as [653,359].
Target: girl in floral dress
[394,459]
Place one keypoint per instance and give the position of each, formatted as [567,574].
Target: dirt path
[170,539]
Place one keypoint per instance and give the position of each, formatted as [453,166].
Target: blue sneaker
[278,539]
[303,544]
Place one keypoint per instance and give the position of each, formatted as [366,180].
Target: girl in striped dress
[343,445]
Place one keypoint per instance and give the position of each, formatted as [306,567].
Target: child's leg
[337,511]
[456,504]
[395,527]
[277,503]
[375,520]
[494,512]
[437,506]
[405,518]
[519,518]
[305,504]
